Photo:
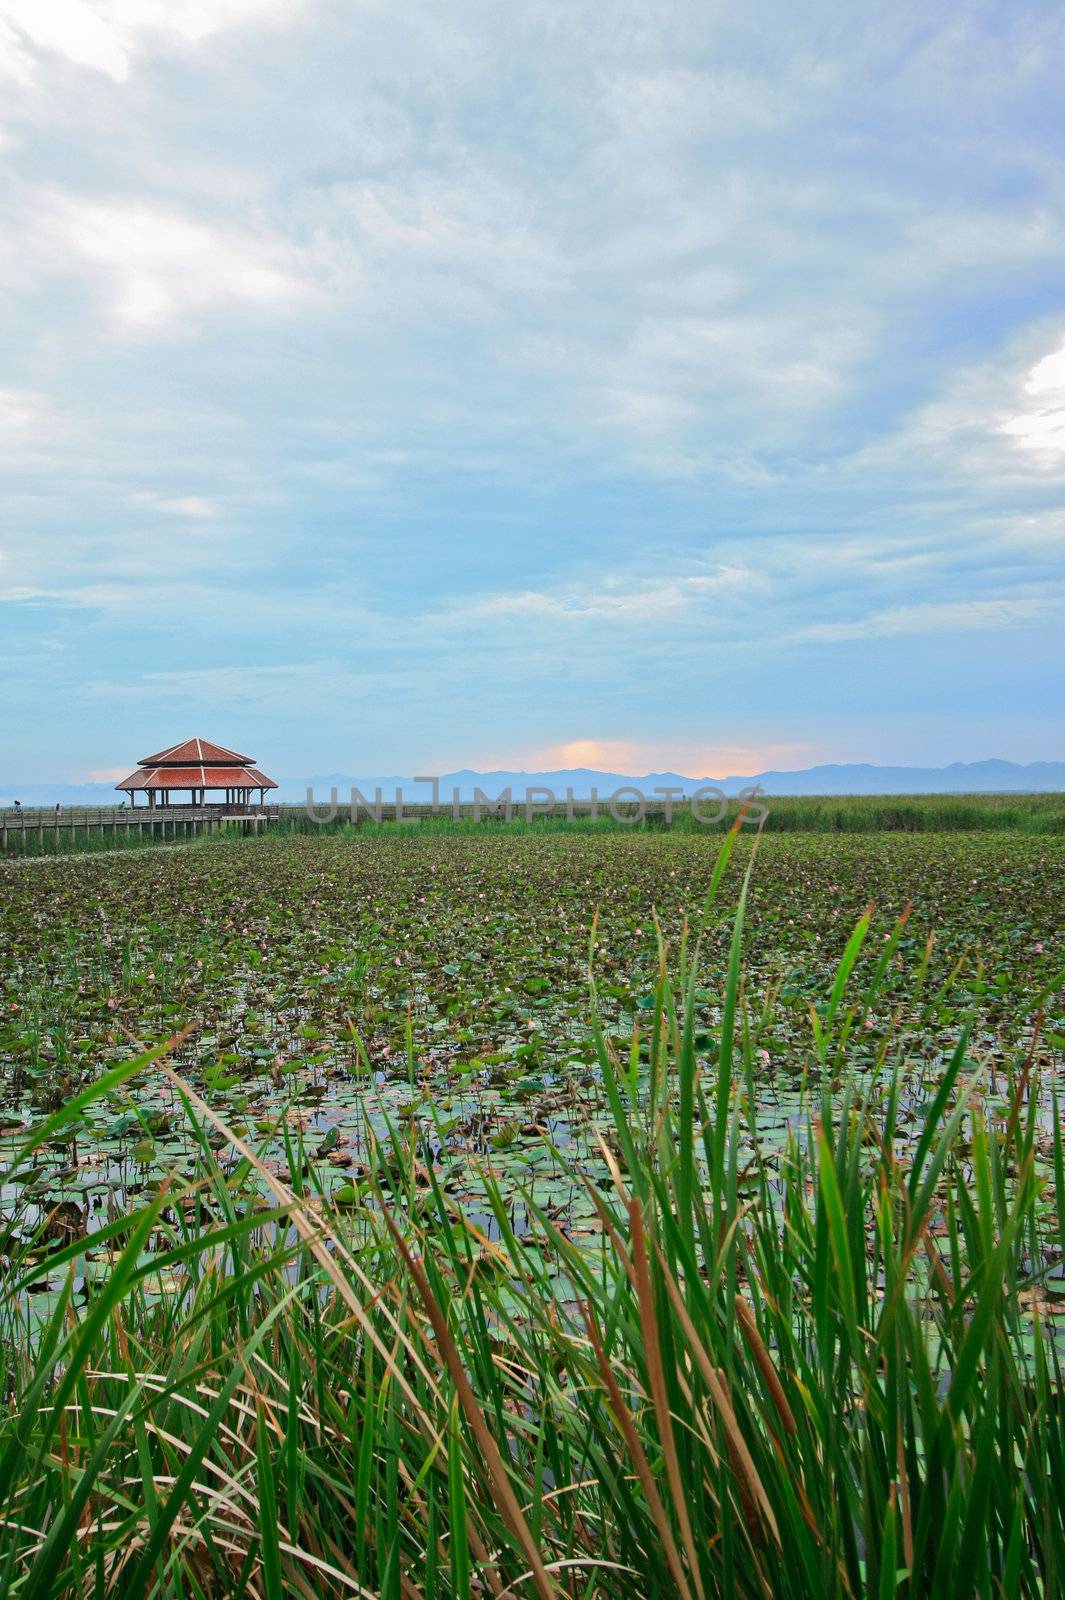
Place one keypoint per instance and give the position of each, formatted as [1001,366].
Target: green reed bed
[922,813]
[75,842]
[820,1368]
[860,814]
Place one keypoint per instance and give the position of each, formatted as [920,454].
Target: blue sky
[630,385]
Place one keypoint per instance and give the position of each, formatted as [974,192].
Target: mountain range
[961,777]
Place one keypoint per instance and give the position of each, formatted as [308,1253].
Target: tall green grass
[74,842]
[821,1371]
[946,813]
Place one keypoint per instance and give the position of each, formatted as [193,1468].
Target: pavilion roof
[198,752]
[197,777]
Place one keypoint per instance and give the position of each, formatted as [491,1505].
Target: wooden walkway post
[57,832]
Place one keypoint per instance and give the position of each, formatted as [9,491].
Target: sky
[644,386]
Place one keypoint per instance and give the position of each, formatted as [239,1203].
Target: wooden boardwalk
[40,829]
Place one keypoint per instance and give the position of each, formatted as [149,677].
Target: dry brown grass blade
[696,1420]
[572,1563]
[765,1363]
[639,1458]
[904,1500]
[313,1232]
[659,1395]
[607,1220]
[939,1271]
[508,1500]
[720,1398]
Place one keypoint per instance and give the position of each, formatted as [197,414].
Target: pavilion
[201,768]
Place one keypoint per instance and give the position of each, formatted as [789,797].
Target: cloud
[74,29]
[106,36]
[620,602]
[935,617]
[160,265]
[682,756]
[678,105]
[1040,426]
[243,687]
[196,506]
[606,755]
[22,413]
[674,342]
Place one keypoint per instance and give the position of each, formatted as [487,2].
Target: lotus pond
[337,985]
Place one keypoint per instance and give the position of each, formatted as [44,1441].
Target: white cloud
[621,603]
[21,411]
[647,756]
[780,356]
[185,505]
[646,411]
[452,236]
[995,426]
[933,617]
[16,62]
[1041,533]
[294,688]
[1048,373]
[160,265]
[32,431]
[74,29]
[678,104]
[1040,425]
[107,35]
[1041,431]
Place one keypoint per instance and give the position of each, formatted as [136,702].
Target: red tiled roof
[196,750]
[200,777]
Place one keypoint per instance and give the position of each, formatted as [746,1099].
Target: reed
[861,814]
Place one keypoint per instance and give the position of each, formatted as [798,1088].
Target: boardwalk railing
[41,828]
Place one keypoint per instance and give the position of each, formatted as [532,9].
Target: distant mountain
[961,777]
[975,777]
